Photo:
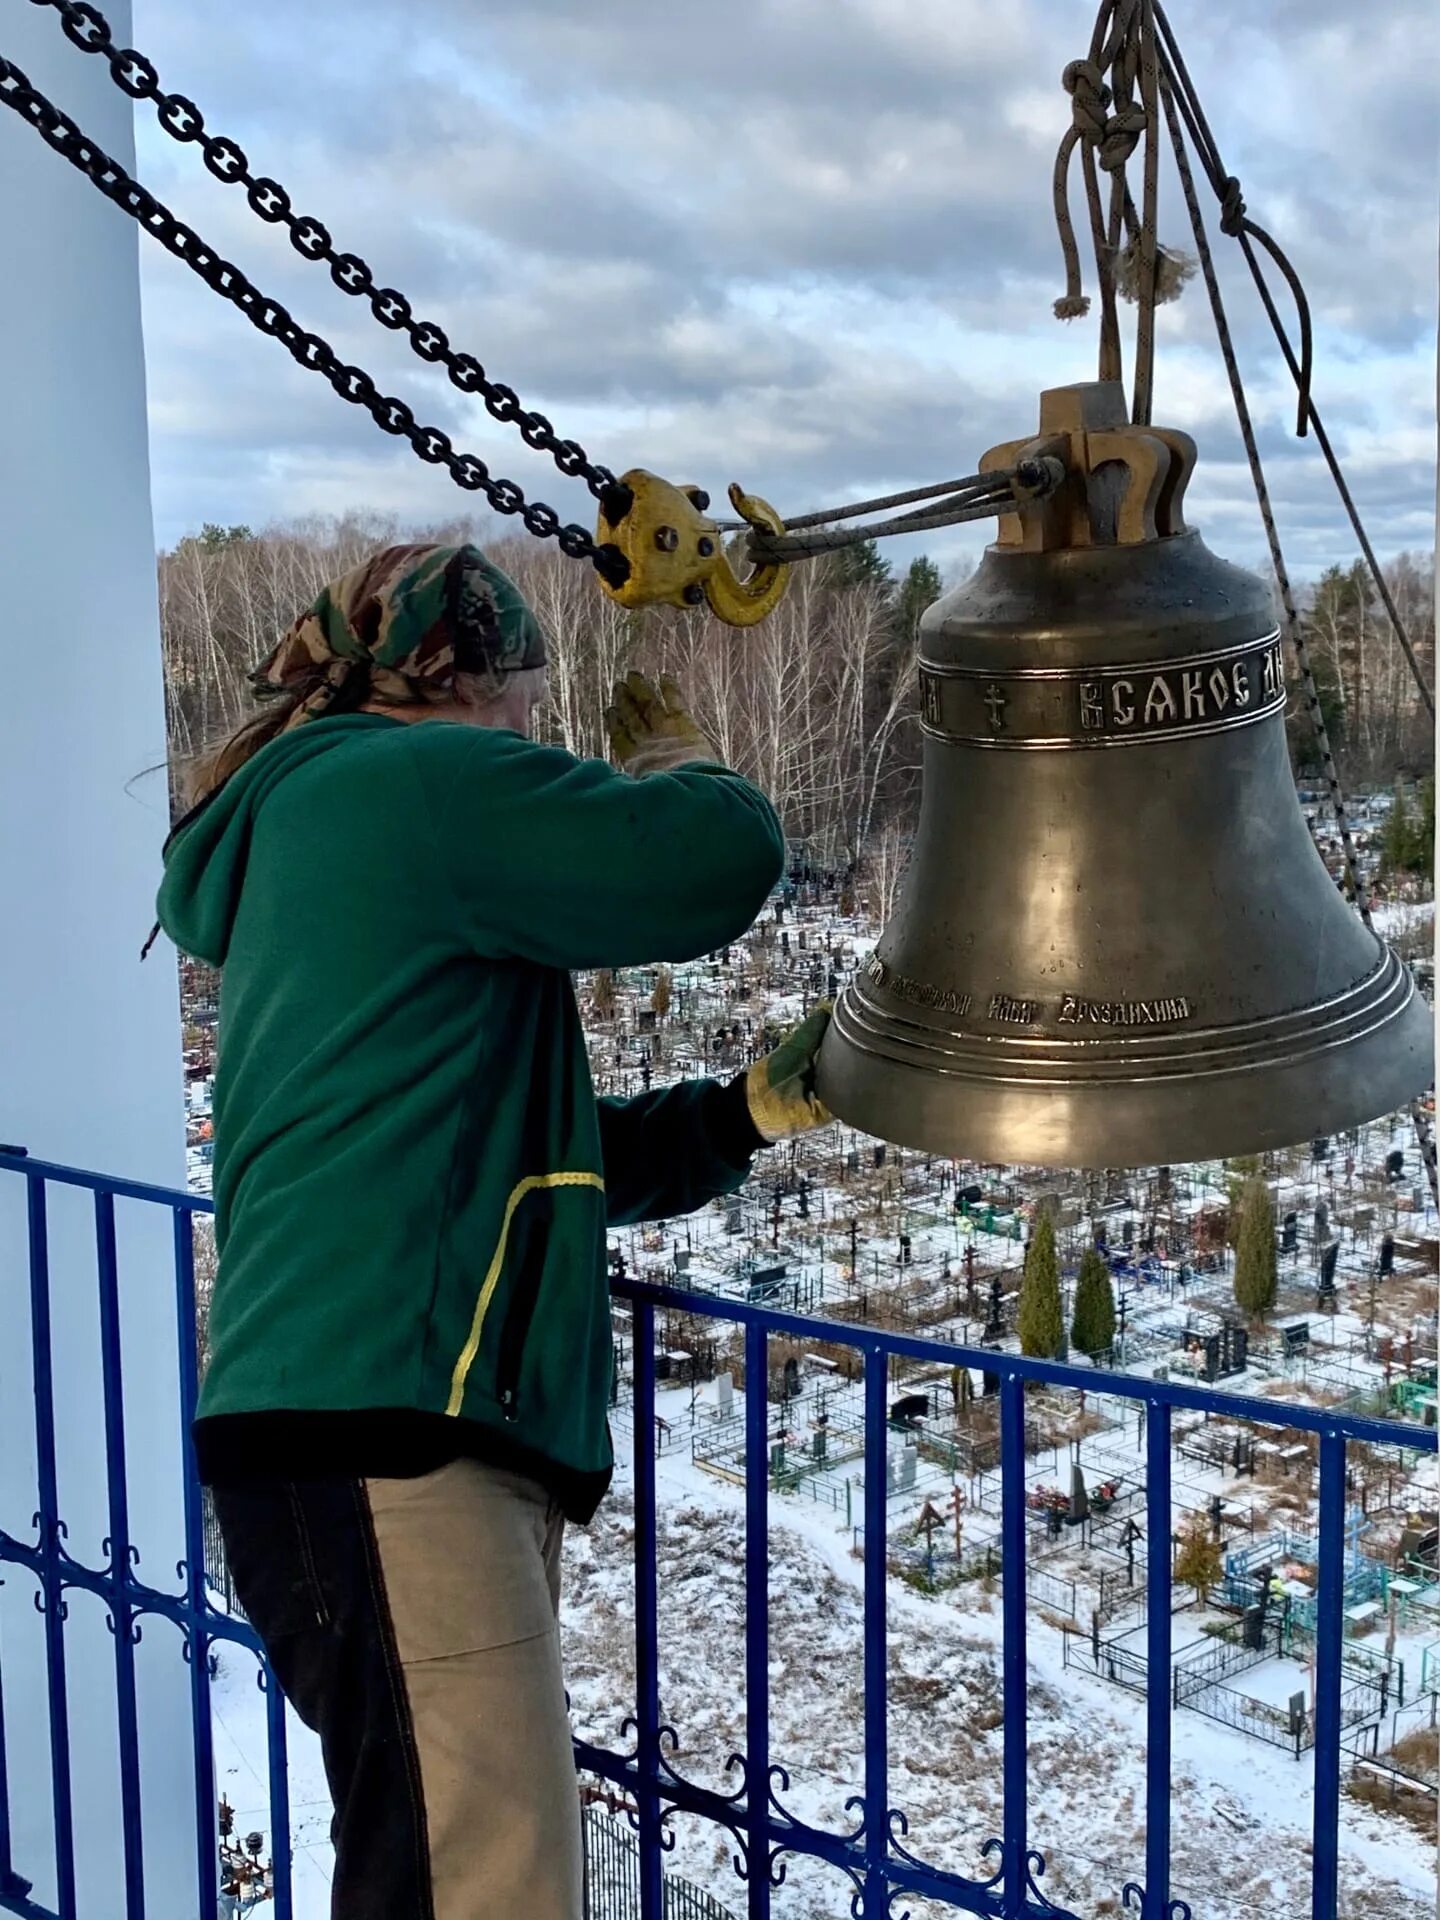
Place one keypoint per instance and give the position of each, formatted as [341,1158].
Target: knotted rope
[1108,123]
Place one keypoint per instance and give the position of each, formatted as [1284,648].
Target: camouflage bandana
[410,618]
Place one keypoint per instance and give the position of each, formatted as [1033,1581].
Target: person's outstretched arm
[570,863]
[671,1150]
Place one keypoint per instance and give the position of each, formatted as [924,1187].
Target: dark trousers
[306,1569]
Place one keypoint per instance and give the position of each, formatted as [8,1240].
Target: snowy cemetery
[845,1228]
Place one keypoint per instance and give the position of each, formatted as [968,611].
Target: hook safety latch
[676,553]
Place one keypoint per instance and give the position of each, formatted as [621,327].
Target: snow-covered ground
[1240,1810]
[833,1218]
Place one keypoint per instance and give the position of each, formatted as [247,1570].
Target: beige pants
[470,1558]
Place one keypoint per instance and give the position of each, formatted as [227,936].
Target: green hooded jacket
[413,1176]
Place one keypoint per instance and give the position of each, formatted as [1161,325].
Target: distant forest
[817,704]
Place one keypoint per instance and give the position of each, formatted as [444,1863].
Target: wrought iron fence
[871,1851]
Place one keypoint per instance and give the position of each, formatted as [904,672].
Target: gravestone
[1289,1234]
[880,1154]
[910,1407]
[1394,1165]
[1296,1338]
[994,1321]
[1322,1222]
[734,1217]
[1387,1256]
[724,1394]
[1328,1260]
[908,1459]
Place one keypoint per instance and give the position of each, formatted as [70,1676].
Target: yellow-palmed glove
[650,730]
[780,1088]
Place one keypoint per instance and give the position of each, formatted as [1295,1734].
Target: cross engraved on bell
[995,703]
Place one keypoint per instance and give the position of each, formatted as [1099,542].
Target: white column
[90,1070]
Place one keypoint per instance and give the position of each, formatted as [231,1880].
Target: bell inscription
[1016,1010]
[1105,706]
[1124,1013]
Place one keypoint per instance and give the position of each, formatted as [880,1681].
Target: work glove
[650,730]
[780,1087]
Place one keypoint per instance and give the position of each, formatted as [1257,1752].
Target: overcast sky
[807,244]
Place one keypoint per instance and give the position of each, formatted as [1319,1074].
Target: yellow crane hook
[677,555]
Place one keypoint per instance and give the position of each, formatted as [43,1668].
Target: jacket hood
[207,859]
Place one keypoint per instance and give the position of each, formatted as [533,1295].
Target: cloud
[804,243]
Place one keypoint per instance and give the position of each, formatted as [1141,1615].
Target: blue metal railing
[872,1852]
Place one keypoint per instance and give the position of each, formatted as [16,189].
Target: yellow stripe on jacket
[533,1183]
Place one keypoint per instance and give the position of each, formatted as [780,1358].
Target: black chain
[352,383]
[86,27]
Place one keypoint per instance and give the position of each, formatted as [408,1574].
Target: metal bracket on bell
[677,555]
[1124,485]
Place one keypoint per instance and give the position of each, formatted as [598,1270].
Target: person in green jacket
[410,1346]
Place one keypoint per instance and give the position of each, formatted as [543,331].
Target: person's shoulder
[448,754]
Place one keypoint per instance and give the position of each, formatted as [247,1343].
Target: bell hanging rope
[1116,944]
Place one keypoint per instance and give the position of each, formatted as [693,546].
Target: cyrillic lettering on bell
[1103,706]
[1016,1013]
[919,993]
[1274,672]
[1075,1011]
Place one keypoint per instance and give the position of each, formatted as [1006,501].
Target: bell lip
[1147,1121]
[1369,1005]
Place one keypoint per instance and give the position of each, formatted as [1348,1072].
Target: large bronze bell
[1116,943]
